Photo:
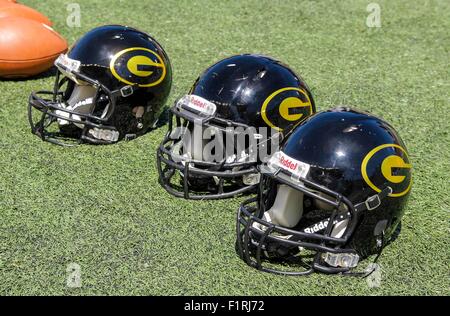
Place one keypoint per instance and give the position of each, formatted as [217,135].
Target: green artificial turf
[102,208]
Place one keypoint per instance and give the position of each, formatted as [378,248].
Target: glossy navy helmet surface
[112,84]
[250,89]
[336,190]
[250,92]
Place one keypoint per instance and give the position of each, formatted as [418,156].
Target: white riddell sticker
[198,103]
[298,168]
[68,63]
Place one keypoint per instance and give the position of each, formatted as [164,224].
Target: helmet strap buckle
[126,91]
[372,202]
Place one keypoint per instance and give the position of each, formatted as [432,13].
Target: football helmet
[235,112]
[334,194]
[112,84]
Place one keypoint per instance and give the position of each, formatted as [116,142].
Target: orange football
[27,47]
[10,9]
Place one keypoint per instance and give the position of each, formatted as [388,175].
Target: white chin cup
[104,134]
[343,260]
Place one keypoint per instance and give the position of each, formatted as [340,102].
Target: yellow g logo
[287,104]
[388,163]
[138,65]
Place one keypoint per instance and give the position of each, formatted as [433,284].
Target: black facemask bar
[46,102]
[197,168]
[252,241]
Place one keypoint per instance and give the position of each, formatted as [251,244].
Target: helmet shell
[117,56]
[256,90]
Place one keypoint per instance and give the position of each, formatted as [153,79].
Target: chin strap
[373,201]
[125,91]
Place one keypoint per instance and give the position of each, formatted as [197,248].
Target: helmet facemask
[211,157]
[78,109]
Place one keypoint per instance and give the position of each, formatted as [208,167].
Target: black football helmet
[112,84]
[333,195]
[243,104]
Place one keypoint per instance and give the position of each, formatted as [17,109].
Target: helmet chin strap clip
[125,91]
[373,201]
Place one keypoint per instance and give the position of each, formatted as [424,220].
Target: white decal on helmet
[66,64]
[297,168]
[197,103]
